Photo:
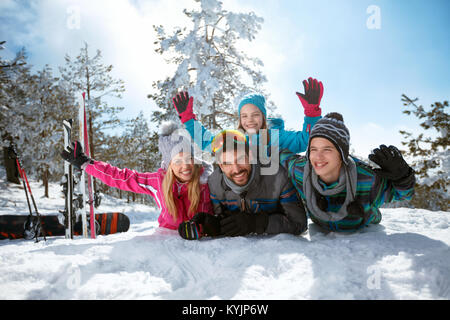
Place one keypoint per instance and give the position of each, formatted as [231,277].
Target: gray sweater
[271,194]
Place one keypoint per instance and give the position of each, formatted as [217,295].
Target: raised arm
[184,106]
[297,141]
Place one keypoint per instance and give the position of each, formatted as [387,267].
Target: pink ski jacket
[151,183]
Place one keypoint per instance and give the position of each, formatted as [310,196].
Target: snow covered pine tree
[210,65]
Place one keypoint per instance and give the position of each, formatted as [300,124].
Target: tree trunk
[90,129]
[45,182]
[12,172]
[91,146]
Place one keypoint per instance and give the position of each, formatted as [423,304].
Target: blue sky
[364,71]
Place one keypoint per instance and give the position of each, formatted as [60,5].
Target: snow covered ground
[407,256]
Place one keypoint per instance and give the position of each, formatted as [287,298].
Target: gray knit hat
[173,140]
[332,127]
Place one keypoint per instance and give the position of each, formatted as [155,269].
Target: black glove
[75,155]
[243,223]
[391,162]
[209,224]
[189,230]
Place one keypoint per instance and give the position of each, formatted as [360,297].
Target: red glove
[184,106]
[311,99]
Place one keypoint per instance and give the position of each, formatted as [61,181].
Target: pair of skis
[70,214]
[34,225]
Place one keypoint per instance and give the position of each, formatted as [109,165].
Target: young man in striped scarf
[341,192]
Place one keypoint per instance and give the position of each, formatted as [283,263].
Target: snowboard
[13,226]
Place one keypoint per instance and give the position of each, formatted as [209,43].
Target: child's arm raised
[184,106]
[297,141]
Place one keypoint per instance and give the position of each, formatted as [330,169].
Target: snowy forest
[35,104]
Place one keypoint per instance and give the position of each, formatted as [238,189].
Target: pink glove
[311,99]
[184,106]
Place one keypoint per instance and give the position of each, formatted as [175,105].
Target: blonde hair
[193,192]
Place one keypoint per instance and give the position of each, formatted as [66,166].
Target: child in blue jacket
[253,117]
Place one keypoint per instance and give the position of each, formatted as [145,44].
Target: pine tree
[44,114]
[87,74]
[14,75]
[33,108]
[139,141]
[10,71]
[136,148]
[210,65]
[431,156]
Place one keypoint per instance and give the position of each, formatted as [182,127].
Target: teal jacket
[371,191]
[295,141]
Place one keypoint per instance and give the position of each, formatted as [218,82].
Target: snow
[407,256]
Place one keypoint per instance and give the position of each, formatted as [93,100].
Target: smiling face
[251,118]
[236,166]
[182,166]
[325,159]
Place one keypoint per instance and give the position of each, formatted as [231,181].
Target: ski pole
[23,175]
[34,204]
[24,187]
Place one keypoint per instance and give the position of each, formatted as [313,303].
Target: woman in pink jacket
[179,187]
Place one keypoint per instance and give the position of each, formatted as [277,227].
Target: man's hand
[243,223]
